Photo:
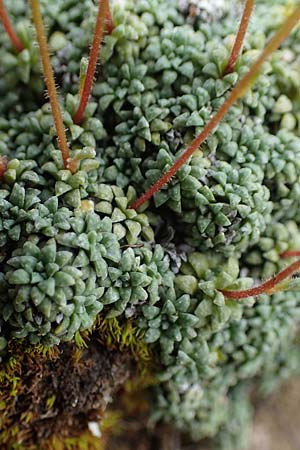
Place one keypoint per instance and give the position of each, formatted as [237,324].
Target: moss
[123,336]
[39,388]
[31,400]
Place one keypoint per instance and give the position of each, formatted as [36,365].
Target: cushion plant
[149,214]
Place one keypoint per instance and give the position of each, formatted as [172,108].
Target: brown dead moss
[49,395]
[54,397]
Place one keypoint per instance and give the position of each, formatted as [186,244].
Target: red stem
[236,50]
[237,92]
[50,83]
[3,165]
[266,287]
[109,22]
[103,12]
[9,29]
[290,254]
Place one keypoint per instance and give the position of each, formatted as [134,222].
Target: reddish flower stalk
[237,92]
[50,82]
[264,288]
[3,166]
[109,22]
[290,254]
[103,13]
[238,44]
[9,29]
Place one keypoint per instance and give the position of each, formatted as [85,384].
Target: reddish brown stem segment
[266,287]
[238,44]
[290,254]
[103,12]
[3,166]
[50,82]
[109,22]
[9,29]
[237,92]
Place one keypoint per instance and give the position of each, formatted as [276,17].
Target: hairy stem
[103,12]
[50,82]
[9,29]
[237,92]
[266,287]
[238,44]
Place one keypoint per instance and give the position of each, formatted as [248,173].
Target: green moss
[125,337]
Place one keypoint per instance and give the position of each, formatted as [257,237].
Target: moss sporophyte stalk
[141,204]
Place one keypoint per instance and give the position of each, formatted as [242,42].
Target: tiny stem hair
[237,92]
[103,14]
[266,287]
[238,44]
[50,82]
[9,29]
